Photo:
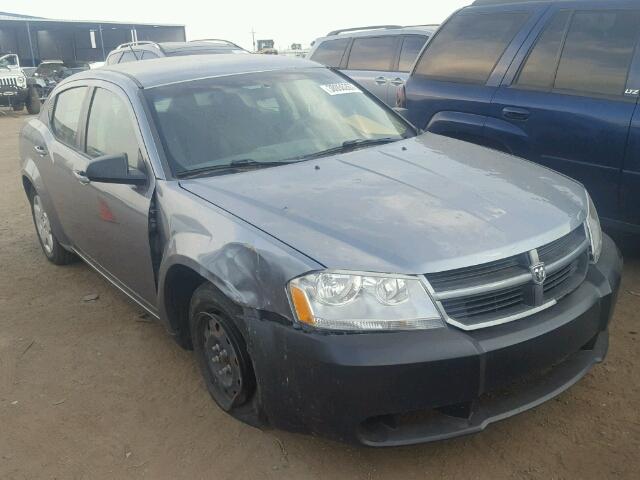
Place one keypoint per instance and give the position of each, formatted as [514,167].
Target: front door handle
[81,177]
[514,113]
[40,150]
[380,80]
[397,82]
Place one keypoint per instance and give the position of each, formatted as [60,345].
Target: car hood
[426,204]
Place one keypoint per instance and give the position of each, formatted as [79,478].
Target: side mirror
[114,169]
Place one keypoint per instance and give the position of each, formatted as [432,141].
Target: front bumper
[401,388]
[10,95]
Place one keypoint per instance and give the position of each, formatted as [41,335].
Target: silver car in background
[379,58]
[334,272]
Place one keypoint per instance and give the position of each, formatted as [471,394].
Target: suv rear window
[469,46]
[410,49]
[330,53]
[372,53]
[598,52]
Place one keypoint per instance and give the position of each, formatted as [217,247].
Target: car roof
[169,47]
[377,31]
[166,70]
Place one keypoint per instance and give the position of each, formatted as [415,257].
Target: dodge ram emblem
[539,273]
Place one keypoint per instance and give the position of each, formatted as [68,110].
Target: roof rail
[356,29]
[216,40]
[479,3]
[134,44]
[434,25]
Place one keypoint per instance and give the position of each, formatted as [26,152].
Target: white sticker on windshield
[340,88]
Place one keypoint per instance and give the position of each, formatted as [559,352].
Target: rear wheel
[33,101]
[221,353]
[51,248]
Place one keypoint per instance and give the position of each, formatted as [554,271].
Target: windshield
[9,60]
[266,117]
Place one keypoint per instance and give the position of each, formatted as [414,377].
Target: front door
[116,236]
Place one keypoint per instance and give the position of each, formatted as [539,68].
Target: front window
[266,118]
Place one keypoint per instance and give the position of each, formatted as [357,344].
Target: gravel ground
[92,390]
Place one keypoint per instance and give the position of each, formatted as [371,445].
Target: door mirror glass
[114,169]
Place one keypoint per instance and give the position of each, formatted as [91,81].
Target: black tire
[51,248]
[33,101]
[219,346]
[18,108]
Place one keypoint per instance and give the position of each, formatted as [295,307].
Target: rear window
[330,53]
[372,53]
[66,115]
[598,52]
[129,56]
[469,46]
[410,49]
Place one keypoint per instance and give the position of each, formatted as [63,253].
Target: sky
[284,21]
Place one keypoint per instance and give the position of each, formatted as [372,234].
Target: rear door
[452,84]
[371,63]
[566,106]
[63,174]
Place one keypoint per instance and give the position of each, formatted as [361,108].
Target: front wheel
[18,108]
[221,353]
[51,248]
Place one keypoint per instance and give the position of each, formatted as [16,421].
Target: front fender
[248,266]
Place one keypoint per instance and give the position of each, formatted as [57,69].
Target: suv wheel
[18,108]
[51,248]
[33,101]
[221,351]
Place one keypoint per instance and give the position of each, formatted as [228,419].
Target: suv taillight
[401,97]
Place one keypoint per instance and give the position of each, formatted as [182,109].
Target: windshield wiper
[235,166]
[350,145]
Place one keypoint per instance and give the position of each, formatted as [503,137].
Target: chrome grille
[505,290]
[9,82]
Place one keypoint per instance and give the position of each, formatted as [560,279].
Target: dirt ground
[91,390]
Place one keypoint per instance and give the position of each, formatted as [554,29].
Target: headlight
[349,301]
[595,231]
[22,81]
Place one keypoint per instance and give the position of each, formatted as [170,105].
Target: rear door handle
[514,113]
[81,177]
[397,82]
[380,80]
[40,150]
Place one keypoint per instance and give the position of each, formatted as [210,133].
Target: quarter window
[330,53]
[410,49]
[66,115]
[110,130]
[469,46]
[598,52]
[372,53]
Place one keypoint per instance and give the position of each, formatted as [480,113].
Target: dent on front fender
[248,266]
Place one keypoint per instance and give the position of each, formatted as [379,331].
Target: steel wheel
[42,225]
[222,360]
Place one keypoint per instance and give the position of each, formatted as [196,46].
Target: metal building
[35,39]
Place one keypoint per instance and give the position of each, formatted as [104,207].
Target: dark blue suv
[554,82]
